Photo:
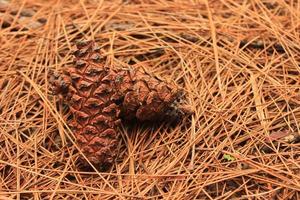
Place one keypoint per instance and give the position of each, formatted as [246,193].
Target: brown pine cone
[99,96]
[95,117]
[144,96]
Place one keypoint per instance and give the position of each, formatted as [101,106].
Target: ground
[238,62]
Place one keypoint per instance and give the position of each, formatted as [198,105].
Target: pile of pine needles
[238,61]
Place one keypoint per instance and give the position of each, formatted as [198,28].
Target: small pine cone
[99,97]
[144,96]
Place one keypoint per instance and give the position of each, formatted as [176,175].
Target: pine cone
[99,97]
[95,117]
[143,96]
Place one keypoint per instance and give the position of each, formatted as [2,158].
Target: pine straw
[237,60]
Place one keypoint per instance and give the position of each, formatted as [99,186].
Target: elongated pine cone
[99,96]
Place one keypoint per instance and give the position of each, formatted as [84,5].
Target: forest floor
[238,62]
